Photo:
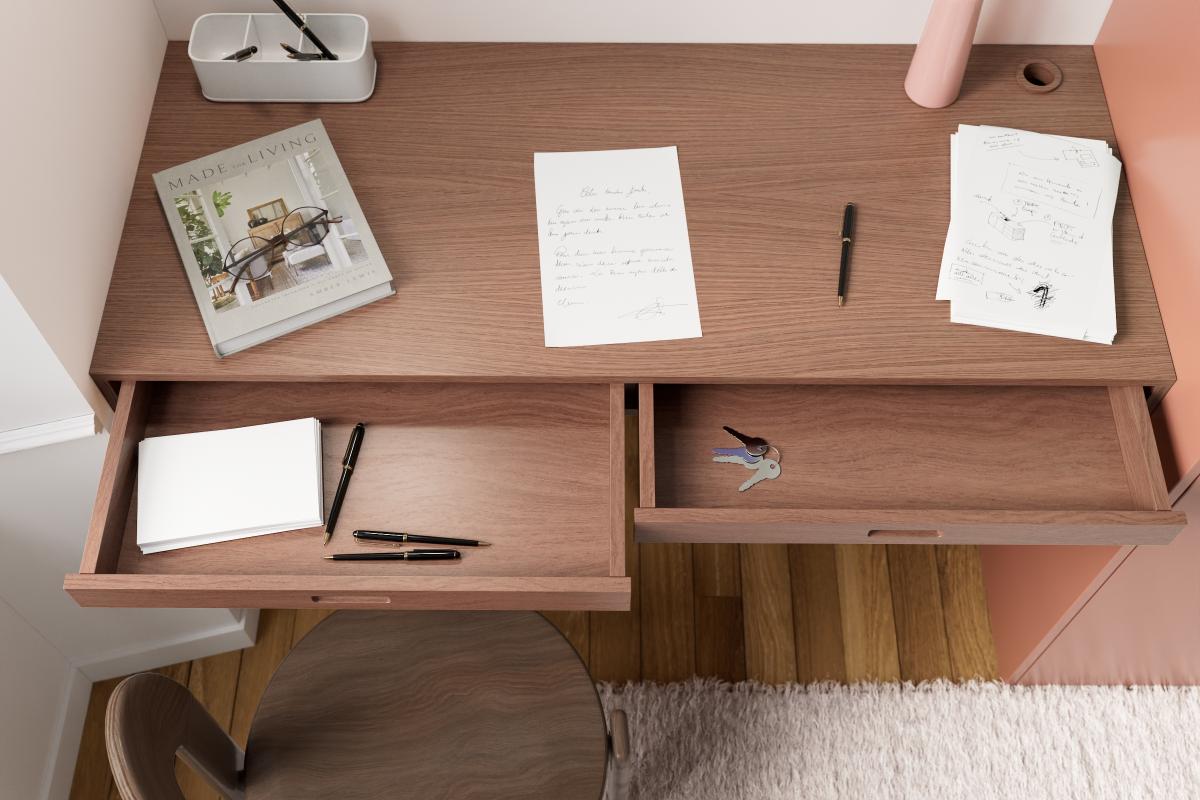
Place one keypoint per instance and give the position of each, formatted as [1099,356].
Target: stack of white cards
[1030,243]
[201,488]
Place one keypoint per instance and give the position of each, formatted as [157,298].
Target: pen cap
[353,446]
[848,221]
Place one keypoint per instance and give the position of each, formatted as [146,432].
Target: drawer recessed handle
[894,534]
[351,600]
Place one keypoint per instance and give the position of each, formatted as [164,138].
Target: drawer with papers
[919,464]
[536,470]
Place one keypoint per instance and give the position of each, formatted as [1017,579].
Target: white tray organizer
[269,75]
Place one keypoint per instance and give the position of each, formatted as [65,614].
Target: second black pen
[404,538]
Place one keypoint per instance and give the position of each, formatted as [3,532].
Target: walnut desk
[897,425]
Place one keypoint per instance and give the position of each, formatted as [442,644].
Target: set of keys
[751,455]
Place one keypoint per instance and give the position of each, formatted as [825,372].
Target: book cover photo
[272,237]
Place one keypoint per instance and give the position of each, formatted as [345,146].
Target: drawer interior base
[894,447]
[455,460]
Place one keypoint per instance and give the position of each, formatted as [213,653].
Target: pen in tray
[396,539]
[400,555]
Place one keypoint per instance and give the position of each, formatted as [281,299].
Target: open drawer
[537,470]
[949,464]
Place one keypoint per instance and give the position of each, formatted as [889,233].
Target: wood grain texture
[151,718]
[767,604]
[721,637]
[615,646]
[668,613]
[717,570]
[93,778]
[896,447]
[868,623]
[1143,467]
[496,480]
[616,479]
[646,428]
[417,592]
[117,478]
[965,611]
[525,720]
[305,620]
[213,682]
[573,625]
[615,636]
[917,608]
[274,641]
[772,140]
[848,526]
[817,613]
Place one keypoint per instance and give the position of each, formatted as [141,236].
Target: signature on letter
[656,309]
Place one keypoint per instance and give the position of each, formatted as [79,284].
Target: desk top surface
[773,141]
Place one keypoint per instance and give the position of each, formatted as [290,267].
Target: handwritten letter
[615,257]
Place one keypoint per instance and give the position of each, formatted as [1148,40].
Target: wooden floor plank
[917,605]
[306,620]
[767,613]
[817,612]
[668,617]
[720,642]
[573,625]
[93,780]
[964,607]
[213,681]
[275,628]
[868,626]
[717,570]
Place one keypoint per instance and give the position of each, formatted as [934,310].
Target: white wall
[73,127]
[46,392]
[34,680]
[46,499]
[874,21]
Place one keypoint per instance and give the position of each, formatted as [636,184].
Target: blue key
[737,452]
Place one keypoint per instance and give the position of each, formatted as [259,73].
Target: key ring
[778,453]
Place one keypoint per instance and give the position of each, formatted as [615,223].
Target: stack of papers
[201,488]
[1030,242]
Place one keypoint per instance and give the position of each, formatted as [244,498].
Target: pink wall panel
[1033,591]
[1143,625]
[1149,57]
[1110,615]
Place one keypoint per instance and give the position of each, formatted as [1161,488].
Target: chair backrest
[150,720]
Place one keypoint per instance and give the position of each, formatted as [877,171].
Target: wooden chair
[152,719]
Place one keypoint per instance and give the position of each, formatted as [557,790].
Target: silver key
[766,470]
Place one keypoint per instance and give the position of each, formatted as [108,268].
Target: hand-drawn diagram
[1009,229]
[1085,158]
[1042,294]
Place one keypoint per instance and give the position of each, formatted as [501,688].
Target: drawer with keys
[535,470]
[920,464]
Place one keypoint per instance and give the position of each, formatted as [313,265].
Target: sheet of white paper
[198,488]
[1030,241]
[616,262]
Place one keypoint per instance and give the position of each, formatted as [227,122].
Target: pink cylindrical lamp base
[936,72]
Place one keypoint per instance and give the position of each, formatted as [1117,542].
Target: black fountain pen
[403,555]
[356,437]
[397,539]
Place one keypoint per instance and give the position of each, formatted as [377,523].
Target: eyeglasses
[251,257]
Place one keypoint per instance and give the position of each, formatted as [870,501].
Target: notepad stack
[202,488]
[1030,243]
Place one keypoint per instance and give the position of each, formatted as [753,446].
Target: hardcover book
[271,236]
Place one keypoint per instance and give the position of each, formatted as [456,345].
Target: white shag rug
[708,740]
